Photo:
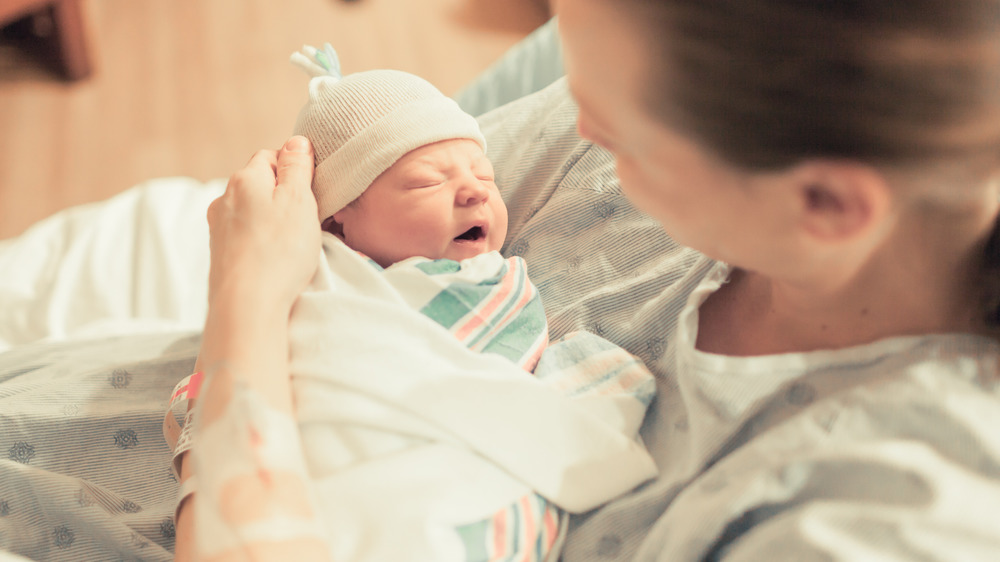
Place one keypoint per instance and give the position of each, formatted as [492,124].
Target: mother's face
[701,202]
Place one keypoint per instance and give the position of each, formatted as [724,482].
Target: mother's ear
[841,201]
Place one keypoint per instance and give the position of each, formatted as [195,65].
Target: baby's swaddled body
[425,433]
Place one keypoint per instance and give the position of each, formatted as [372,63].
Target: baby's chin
[464,250]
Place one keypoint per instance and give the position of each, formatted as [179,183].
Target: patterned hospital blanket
[84,469]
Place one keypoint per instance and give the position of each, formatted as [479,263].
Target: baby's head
[401,170]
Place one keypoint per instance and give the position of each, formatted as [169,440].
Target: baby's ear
[333,227]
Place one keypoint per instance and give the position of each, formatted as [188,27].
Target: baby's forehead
[444,155]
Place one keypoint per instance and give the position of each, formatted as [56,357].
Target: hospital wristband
[180,437]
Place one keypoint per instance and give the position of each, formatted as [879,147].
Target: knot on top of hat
[316,62]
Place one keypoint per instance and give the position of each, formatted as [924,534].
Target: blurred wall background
[194,87]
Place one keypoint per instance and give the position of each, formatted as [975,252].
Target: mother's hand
[264,230]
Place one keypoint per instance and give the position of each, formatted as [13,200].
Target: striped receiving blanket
[425,434]
[488,304]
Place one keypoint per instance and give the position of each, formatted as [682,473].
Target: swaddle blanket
[425,440]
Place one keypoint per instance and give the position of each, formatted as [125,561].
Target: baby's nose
[472,192]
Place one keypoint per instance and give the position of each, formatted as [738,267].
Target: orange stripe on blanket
[551,524]
[527,295]
[486,309]
[528,526]
[500,533]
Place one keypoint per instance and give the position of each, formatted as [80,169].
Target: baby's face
[438,201]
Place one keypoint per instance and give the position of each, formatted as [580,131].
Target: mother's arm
[265,243]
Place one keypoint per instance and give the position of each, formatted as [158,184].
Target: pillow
[595,259]
[530,65]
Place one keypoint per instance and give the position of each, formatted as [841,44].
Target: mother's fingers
[262,158]
[259,175]
[295,164]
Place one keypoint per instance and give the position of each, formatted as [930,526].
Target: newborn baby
[436,420]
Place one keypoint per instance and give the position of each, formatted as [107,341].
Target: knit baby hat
[362,123]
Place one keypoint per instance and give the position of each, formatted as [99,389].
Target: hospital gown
[886,451]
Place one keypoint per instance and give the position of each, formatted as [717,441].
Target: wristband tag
[188,388]
[178,437]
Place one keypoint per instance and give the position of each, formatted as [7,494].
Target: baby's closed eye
[423,181]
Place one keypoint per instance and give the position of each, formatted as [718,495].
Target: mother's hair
[767,84]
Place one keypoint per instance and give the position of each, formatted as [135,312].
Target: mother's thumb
[295,164]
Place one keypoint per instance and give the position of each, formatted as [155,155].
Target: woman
[827,389]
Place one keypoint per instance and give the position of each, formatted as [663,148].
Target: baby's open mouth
[474,233]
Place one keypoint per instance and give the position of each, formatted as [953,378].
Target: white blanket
[137,262]
[410,435]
